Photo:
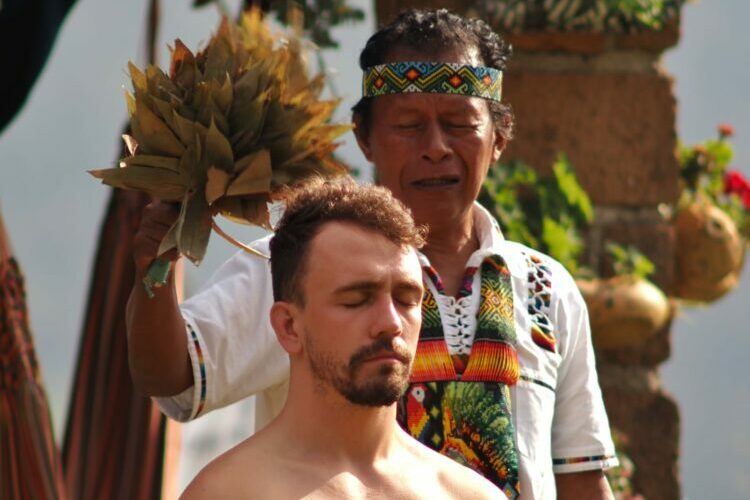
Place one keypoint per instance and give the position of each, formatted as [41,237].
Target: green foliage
[562,241]
[620,478]
[702,167]
[629,261]
[705,175]
[611,16]
[644,12]
[550,214]
[547,214]
[575,195]
[317,17]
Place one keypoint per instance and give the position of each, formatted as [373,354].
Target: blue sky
[71,123]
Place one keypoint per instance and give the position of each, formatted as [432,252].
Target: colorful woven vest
[464,413]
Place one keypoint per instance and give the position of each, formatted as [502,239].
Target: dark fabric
[114,441]
[28,29]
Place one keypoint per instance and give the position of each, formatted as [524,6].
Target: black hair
[434,32]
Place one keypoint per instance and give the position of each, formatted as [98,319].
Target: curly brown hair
[317,202]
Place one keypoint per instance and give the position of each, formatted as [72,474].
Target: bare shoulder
[209,483]
[462,482]
[455,480]
[235,474]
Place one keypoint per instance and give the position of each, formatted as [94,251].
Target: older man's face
[432,150]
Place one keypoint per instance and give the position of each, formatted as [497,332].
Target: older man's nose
[435,146]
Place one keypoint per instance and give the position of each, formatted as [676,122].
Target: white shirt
[558,413]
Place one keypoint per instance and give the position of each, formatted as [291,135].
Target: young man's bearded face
[361,314]
[382,386]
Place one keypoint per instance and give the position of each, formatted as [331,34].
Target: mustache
[377,348]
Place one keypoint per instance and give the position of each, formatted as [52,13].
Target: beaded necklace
[493,355]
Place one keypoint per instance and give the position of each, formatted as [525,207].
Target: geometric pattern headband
[433,77]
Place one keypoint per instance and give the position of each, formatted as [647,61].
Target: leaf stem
[236,243]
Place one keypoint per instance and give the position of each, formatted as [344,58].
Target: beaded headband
[433,77]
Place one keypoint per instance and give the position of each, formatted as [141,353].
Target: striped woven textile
[29,459]
[114,441]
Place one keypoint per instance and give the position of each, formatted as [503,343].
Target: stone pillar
[605,101]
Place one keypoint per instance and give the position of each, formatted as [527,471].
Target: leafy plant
[620,478]
[705,175]
[545,213]
[224,131]
[315,17]
[629,261]
[319,16]
[550,214]
[612,16]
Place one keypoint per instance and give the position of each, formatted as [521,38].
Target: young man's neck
[322,423]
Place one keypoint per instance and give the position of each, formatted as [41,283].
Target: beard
[383,388]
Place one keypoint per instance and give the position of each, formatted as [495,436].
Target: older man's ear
[500,143]
[362,139]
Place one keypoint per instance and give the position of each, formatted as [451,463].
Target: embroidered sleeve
[539,293]
[233,350]
[581,438]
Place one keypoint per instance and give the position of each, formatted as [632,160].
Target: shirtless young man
[347,288]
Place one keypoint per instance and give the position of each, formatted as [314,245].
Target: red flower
[735,182]
[725,130]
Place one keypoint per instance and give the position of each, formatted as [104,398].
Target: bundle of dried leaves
[225,130]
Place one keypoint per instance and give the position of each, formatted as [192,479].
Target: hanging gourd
[712,221]
[710,253]
[627,309]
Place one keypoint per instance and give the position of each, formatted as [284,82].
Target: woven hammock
[29,460]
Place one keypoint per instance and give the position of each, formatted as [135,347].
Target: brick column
[606,102]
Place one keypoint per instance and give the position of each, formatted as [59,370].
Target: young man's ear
[285,320]
[361,135]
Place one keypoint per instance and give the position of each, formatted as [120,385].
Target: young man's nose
[387,320]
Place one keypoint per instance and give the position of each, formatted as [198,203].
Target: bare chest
[348,485]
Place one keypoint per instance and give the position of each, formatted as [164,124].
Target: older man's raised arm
[157,343]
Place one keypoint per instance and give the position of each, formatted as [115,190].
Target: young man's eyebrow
[359,286]
[367,285]
[410,285]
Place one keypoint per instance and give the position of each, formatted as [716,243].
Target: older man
[504,379]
